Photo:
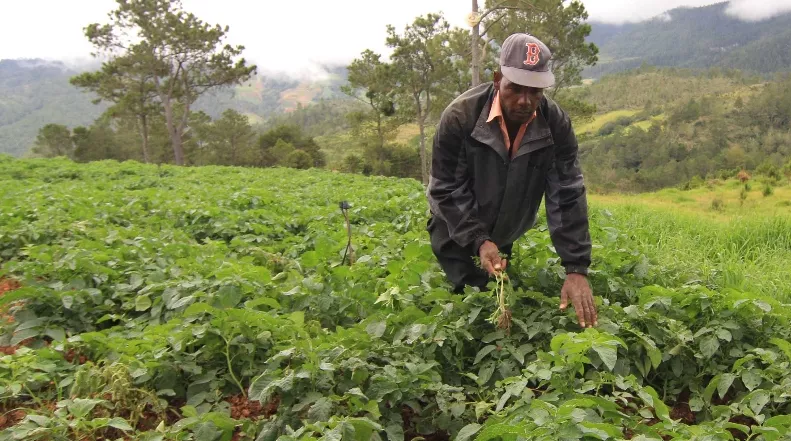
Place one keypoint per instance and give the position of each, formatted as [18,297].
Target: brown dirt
[11,418]
[7,285]
[681,410]
[242,408]
[743,420]
[71,356]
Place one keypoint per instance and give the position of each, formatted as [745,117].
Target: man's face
[518,102]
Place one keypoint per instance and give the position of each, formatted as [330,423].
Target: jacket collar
[489,132]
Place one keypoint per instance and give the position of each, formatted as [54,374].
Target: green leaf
[483,353]
[724,334]
[503,401]
[607,353]
[81,407]
[742,428]
[659,407]
[713,385]
[601,431]
[758,400]
[120,424]
[751,379]
[20,336]
[655,355]
[779,421]
[320,410]
[467,432]
[142,303]
[726,380]
[266,301]
[197,308]
[67,301]
[783,345]
[395,432]
[229,296]
[709,346]
[499,430]
[481,408]
[376,329]
[485,373]
[56,334]
[207,432]
[372,407]
[335,434]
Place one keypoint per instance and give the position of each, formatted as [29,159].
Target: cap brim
[540,80]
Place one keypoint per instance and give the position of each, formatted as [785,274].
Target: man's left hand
[577,289]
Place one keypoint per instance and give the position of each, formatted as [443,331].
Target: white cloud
[758,10]
[293,36]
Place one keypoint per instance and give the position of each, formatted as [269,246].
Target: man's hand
[577,289]
[490,258]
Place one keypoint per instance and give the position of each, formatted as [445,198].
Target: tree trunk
[379,130]
[421,122]
[476,53]
[143,122]
[175,137]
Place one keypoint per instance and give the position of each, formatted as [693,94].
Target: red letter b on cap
[532,54]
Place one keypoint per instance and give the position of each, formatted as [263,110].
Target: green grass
[601,120]
[645,125]
[741,247]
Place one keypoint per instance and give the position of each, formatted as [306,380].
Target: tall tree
[128,84]
[493,13]
[185,56]
[464,66]
[560,24]
[371,82]
[54,140]
[231,139]
[421,62]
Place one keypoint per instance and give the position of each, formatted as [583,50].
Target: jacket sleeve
[449,193]
[566,200]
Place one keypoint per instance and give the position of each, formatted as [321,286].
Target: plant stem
[230,368]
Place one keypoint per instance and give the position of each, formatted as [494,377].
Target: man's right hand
[490,258]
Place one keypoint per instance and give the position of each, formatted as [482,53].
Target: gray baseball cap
[524,60]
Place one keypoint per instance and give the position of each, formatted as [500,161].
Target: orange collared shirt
[496,112]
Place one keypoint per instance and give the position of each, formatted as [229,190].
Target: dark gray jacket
[482,194]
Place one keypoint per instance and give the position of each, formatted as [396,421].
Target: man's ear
[497,77]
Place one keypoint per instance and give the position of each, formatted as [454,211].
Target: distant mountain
[696,38]
[36,92]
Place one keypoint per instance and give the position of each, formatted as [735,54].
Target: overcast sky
[289,35]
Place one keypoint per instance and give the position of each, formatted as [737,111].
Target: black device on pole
[344,205]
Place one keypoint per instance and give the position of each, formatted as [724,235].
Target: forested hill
[35,92]
[695,37]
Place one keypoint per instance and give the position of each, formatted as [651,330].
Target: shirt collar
[497,110]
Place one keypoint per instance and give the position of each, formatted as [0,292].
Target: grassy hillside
[709,234]
[662,87]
